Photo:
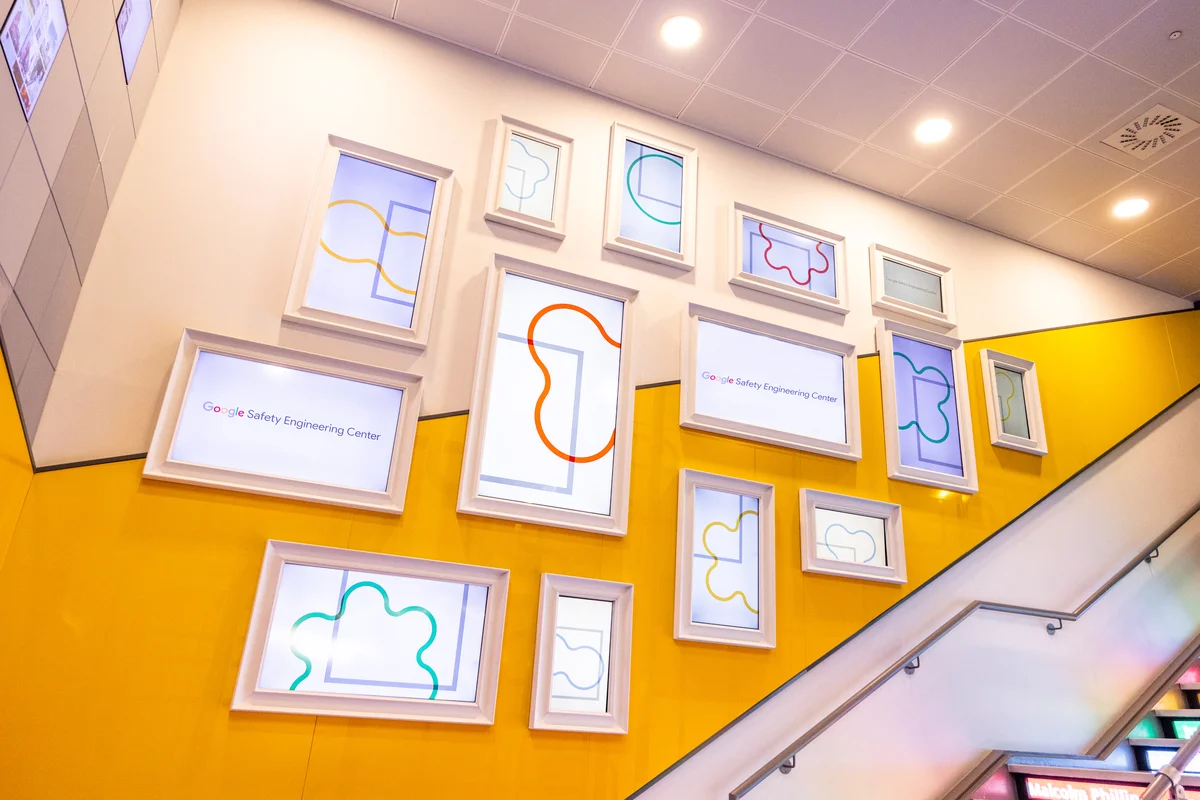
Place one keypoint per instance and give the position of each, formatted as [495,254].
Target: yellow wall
[15,471]
[125,602]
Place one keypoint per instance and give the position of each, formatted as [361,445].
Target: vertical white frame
[555,228]
[969,482]
[248,697]
[686,258]
[1036,443]
[415,337]
[811,561]
[689,418]
[616,719]
[838,305]
[943,320]
[685,628]
[469,499]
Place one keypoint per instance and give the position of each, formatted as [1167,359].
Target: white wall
[204,230]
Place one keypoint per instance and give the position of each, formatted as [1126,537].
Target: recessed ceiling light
[933,130]
[680,32]
[1131,207]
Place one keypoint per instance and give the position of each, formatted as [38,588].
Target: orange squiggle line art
[807,278]
[537,409]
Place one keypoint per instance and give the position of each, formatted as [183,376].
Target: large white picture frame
[883,298]
[822,553]
[263,655]
[297,308]
[162,464]
[557,177]
[1016,428]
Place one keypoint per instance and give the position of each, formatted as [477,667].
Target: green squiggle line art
[629,185]
[342,610]
[941,403]
[1007,401]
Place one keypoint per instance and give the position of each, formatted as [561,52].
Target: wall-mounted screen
[788,258]
[31,36]
[853,538]
[1185,728]
[133,23]
[531,174]
[926,406]
[1010,388]
[1157,758]
[912,285]
[725,570]
[652,203]
[582,637]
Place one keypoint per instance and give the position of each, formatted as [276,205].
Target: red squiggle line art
[808,278]
[537,409]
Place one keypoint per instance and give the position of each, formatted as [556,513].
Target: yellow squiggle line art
[1011,395]
[716,561]
[371,261]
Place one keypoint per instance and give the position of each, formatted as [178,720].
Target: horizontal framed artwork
[910,286]
[530,177]
[1014,402]
[851,537]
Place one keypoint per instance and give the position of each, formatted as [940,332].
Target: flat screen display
[32,34]
[1010,394]
[926,406]
[530,175]
[652,196]
[582,648]
[337,631]
[787,258]
[853,538]
[912,285]
[725,545]
[133,23]
[266,419]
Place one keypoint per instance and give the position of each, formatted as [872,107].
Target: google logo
[708,376]
[229,412]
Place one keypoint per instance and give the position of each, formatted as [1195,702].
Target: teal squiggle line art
[941,403]
[629,185]
[387,606]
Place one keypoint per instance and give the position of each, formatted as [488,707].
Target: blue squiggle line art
[581,647]
[941,403]
[870,538]
[532,190]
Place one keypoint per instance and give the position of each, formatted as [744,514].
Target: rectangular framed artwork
[851,537]
[1014,402]
[531,173]
[725,561]
[372,247]
[268,420]
[912,287]
[347,633]
[551,424]
[31,37]
[133,23]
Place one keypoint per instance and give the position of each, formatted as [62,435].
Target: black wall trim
[656,385]
[93,463]
[443,415]
[1084,324]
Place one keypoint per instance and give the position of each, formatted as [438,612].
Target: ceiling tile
[1084,22]
[921,37]
[721,22]
[855,97]
[803,143]
[883,171]
[1127,259]
[1070,182]
[1188,84]
[951,195]
[772,64]
[1178,104]
[1087,95]
[1178,278]
[1182,169]
[730,115]
[1176,234]
[552,51]
[989,75]
[601,22]
[1014,218]
[382,8]
[1073,240]
[1005,155]
[837,21]
[468,22]
[969,121]
[1141,44]
[645,85]
[1163,200]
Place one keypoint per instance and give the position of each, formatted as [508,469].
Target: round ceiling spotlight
[1173,35]
[680,32]
[933,130]
[1133,207]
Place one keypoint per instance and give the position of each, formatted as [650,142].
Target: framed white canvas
[581,659]
[926,408]
[264,419]
[910,286]
[530,178]
[725,561]
[550,432]
[851,537]
[353,634]
[1014,402]
[760,381]
[651,206]
[784,258]
[372,247]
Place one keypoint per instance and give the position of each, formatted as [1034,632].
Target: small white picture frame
[944,456]
[329,581]
[873,550]
[402,314]
[751,266]
[516,194]
[579,622]
[806,398]
[1007,382]
[912,287]
[738,609]
[650,210]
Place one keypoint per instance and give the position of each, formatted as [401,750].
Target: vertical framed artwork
[582,656]
[372,247]
[851,537]
[133,23]
[31,36]
[725,561]
[912,287]
[531,174]
[1014,402]
[651,207]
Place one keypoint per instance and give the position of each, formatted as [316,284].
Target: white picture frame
[556,226]
[689,417]
[618,180]
[1035,443]
[296,310]
[814,559]
[248,696]
[968,482]
[799,294]
[470,500]
[615,719]
[685,563]
[161,466]
[943,320]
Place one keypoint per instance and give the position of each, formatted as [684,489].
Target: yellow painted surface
[125,602]
[15,471]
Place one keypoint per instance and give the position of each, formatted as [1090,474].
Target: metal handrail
[907,660]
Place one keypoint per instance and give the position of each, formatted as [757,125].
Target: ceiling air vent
[1151,133]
